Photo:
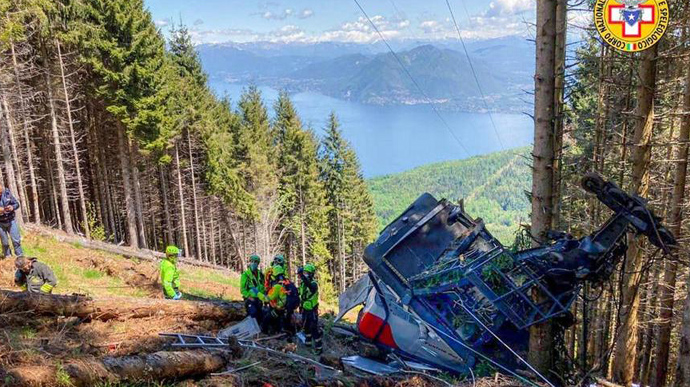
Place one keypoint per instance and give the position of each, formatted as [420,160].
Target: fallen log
[145,368]
[118,307]
[125,251]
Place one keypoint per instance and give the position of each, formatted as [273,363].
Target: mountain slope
[493,186]
[362,74]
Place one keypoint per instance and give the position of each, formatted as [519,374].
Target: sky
[310,21]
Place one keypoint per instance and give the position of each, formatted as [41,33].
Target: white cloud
[162,22]
[431,26]
[287,34]
[224,35]
[305,13]
[361,31]
[286,13]
[510,7]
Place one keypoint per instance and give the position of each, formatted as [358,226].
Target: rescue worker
[277,302]
[170,276]
[309,297]
[8,225]
[278,260]
[33,276]
[253,289]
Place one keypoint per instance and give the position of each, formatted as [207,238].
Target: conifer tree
[302,195]
[257,165]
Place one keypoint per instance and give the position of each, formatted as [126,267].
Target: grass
[62,377]
[75,272]
[92,274]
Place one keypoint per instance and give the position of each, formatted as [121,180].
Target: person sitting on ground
[8,225]
[253,290]
[170,276]
[278,260]
[309,297]
[33,276]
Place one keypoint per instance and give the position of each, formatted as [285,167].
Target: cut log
[150,367]
[125,251]
[118,307]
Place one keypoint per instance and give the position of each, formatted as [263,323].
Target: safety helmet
[279,259]
[172,250]
[276,271]
[309,268]
[255,259]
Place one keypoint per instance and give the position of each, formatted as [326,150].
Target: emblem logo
[631,25]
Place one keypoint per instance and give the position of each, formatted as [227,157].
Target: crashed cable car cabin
[443,291]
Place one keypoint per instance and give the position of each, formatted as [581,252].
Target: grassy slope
[95,273]
[493,186]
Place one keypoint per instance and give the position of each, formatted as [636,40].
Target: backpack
[292,295]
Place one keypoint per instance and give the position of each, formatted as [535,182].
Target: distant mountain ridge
[366,74]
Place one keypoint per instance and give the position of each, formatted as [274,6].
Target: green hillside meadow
[492,185]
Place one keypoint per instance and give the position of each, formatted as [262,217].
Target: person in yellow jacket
[170,276]
[277,301]
[33,276]
[309,297]
[253,290]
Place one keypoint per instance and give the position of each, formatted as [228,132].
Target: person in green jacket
[309,298]
[33,276]
[253,290]
[170,276]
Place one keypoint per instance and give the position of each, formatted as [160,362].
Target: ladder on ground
[195,341]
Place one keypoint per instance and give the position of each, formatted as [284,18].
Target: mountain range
[368,74]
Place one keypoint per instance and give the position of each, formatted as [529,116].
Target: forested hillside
[625,116]
[357,72]
[110,131]
[492,186]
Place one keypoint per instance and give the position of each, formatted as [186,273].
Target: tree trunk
[163,180]
[73,140]
[647,355]
[626,344]
[541,336]
[118,307]
[27,140]
[7,152]
[668,286]
[161,365]
[62,181]
[211,215]
[125,168]
[141,227]
[559,89]
[197,233]
[683,367]
[180,191]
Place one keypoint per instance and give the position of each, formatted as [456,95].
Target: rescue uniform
[309,297]
[277,300]
[253,292]
[170,278]
[40,279]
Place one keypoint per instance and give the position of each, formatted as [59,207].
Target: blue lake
[390,139]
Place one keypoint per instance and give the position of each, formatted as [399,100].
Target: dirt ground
[45,344]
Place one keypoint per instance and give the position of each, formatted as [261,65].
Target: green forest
[493,187]
[112,132]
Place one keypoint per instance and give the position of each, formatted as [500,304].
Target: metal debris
[244,330]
